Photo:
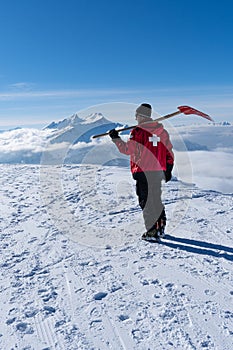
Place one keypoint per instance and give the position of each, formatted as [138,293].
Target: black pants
[148,189]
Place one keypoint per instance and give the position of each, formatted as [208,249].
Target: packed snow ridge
[76,275]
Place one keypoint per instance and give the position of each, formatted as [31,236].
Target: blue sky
[58,57]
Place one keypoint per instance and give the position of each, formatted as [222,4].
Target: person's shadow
[199,247]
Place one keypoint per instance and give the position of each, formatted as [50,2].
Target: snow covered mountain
[78,129]
[27,145]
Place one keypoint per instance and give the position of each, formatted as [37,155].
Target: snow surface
[76,275]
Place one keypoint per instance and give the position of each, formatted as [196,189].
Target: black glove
[168,172]
[114,134]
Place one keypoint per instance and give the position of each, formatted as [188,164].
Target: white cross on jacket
[155,139]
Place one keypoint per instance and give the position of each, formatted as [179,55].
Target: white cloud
[23,140]
[20,144]
[210,170]
[15,95]
[22,86]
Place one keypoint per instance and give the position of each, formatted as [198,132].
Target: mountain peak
[74,119]
[94,118]
[71,121]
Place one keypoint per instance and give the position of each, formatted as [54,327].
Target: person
[151,161]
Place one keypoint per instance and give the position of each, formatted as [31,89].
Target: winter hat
[144,110]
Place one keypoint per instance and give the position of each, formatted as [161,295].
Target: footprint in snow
[24,328]
[10,321]
[49,310]
[170,286]
[123,318]
[210,292]
[100,295]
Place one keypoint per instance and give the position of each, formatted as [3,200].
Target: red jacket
[149,148]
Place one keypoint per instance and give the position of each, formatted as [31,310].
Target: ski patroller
[181,109]
[153,227]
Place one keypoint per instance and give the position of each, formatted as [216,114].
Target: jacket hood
[152,127]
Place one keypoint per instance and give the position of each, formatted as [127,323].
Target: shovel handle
[134,126]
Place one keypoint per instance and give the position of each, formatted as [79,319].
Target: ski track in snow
[104,288]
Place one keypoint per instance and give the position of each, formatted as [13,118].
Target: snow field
[75,274]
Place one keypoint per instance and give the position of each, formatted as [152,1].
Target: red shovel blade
[191,110]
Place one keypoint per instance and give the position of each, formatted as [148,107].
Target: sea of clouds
[203,154]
